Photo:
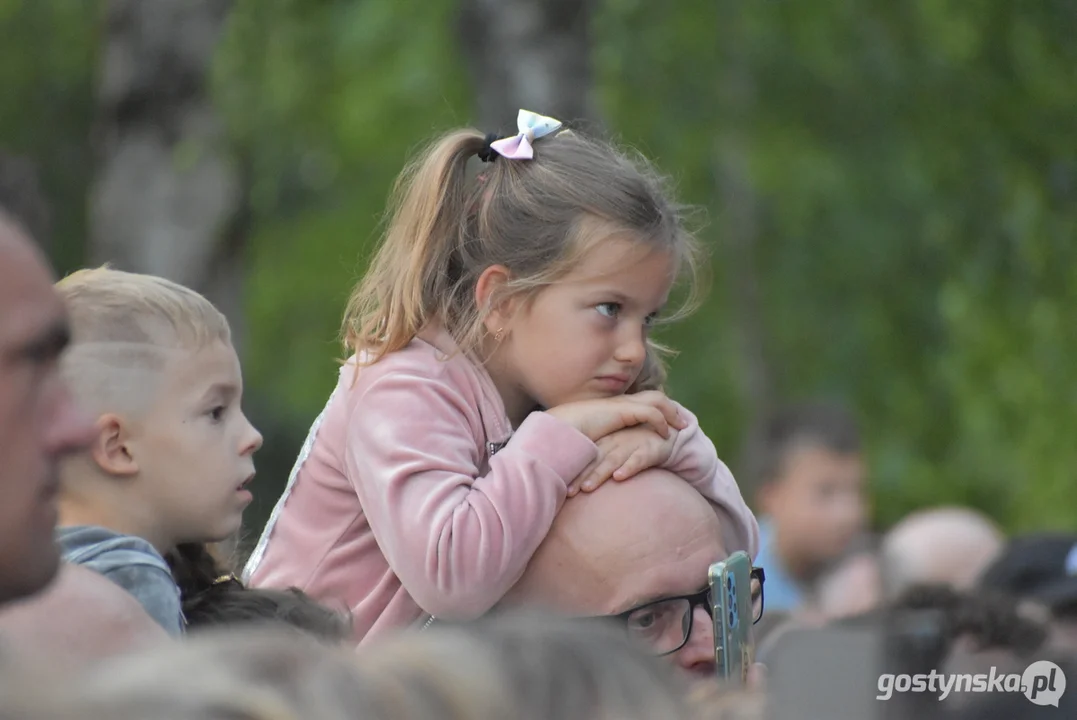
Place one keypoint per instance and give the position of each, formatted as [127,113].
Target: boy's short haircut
[126,323]
[818,424]
[109,305]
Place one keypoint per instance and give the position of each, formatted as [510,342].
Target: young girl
[493,340]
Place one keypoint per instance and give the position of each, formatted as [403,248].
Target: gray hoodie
[130,562]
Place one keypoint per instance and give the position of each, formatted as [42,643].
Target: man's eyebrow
[658,597]
[48,344]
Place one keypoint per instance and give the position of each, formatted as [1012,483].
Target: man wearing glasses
[636,553]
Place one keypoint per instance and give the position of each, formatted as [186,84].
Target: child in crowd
[153,361]
[809,472]
[492,343]
[213,597]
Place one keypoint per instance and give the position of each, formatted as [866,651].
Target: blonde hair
[123,324]
[536,217]
[107,305]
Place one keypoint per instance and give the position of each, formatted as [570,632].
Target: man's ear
[110,449]
[497,312]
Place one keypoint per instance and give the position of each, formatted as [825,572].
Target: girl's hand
[598,418]
[623,454]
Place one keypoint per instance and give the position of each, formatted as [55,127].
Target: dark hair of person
[819,424]
[213,596]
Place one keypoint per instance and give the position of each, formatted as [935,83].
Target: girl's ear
[496,312]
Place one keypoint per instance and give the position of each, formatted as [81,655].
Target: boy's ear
[497,313]
[110,450]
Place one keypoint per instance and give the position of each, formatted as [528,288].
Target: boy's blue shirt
[130,562]
[781,592]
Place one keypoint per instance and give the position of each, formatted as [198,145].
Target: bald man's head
[947,546]
[653,532]
[649,538]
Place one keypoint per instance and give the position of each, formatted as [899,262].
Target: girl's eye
[650,320]
[217,413]
[609,309]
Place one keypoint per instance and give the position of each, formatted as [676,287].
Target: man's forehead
[664,577]
[666,562]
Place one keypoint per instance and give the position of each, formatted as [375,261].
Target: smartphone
[731,594]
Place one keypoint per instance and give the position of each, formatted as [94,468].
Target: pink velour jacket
[412,496]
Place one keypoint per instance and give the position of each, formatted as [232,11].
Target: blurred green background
[890,193]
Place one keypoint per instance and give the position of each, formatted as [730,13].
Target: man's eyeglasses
[665,625]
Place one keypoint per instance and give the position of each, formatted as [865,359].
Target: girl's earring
[499,334]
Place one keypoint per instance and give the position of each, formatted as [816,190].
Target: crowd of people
[496,511]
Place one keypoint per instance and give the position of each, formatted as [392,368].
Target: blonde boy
[154,363]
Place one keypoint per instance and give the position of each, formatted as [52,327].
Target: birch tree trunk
[532,54]
[738,218]
[167,198]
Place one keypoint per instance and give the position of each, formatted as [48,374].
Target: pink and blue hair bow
[531,127]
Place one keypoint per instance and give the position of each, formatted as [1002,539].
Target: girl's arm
[457,541]
[695,459]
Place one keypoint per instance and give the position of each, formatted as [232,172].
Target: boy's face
[194,446]
[817,501]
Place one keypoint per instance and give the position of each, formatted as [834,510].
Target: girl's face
[584,337]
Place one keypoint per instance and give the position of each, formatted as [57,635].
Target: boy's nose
[253,440]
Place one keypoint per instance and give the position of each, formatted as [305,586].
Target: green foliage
[48,53]
[325,101]
[913,168]
[917,184]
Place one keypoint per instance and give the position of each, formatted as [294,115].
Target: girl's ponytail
[412,272]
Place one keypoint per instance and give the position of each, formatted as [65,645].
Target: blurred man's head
[976,630]
[852,587]
[1040,570]
[944,546]
[806,463]
[626,545]
[38,420]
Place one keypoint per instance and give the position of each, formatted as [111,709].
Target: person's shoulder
[94,593]
[103,550]
[80,617]
[423,360]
